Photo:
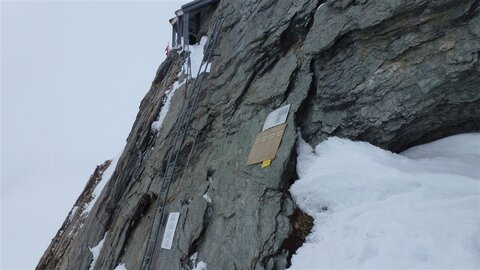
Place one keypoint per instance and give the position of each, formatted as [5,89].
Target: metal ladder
[179,140]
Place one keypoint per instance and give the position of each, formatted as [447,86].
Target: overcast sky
[72,77]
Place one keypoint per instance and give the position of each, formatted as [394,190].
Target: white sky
[72,77]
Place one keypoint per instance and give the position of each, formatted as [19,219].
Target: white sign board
[170,230]
[277,117]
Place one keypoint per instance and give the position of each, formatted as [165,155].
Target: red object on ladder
[167,49]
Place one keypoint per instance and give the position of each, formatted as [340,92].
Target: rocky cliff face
[393,73]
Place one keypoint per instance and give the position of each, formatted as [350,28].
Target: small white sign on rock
[170,230]
[277,117]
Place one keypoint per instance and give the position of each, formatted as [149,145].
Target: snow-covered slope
[376,209]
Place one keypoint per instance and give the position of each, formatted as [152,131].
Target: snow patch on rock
[157,125]
[196,56]
[121,267]
[200,266]
[417,209]
[96,252]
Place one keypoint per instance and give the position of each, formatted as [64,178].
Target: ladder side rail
[204,65]
[165,188]
[147,256]
[154,228]
[198,83]
[206,58]
[196,89]
[172,155]
[175,153]
[188,115]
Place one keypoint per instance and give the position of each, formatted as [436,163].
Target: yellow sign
[266,163]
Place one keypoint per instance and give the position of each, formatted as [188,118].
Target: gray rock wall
[393,73]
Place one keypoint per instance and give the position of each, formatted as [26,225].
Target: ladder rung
[167,179]
[169,172]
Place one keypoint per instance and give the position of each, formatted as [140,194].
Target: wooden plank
[266,144]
